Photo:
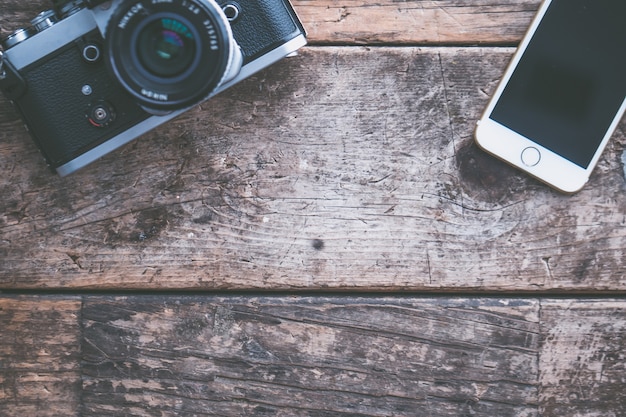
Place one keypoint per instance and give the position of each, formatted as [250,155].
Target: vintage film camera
[92,75]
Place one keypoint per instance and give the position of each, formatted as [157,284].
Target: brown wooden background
[322,239]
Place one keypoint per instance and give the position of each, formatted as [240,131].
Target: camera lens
[166,47]
[171,55]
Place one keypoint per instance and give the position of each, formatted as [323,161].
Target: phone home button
[531,156]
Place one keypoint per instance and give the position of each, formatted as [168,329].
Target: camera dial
[18,36]
[65,8]
[171,55]
[44,20]
[41,22]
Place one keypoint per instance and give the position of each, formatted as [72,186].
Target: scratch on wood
[75,259]
[430,274]
[546,260]
[376,181]
[344,13]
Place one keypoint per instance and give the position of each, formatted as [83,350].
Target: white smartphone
[563,94]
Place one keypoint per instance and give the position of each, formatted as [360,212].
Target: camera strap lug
[3,72]
[11,82]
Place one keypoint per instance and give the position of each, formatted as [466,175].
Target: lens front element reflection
[166,47]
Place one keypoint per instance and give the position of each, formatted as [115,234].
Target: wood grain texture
[178,355]
[582,363]
[342,168]
[348,168]
[254,356]
[415,22]
[383,22]
[39,356]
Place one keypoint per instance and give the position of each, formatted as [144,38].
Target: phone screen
[571,79]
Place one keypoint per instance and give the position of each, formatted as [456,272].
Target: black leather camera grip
[264,25]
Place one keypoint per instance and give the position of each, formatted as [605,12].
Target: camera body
[90,75]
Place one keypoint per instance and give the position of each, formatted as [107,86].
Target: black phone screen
[571,80]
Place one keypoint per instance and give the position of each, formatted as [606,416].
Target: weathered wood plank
[351,21]
[39,356]
[297,356]
[417,21]
[304,356]
[343,168]
[583,371]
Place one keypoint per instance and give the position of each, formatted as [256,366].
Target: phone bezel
[508,145]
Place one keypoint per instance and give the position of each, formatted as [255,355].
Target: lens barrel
[170,55]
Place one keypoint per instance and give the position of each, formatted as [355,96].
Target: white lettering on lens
[154,96]
[132,12]
[210,30]
[191,7]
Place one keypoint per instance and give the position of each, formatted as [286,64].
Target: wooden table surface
[323,239]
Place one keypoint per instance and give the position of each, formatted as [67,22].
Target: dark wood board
[259,356]
[40,352]
[192,355]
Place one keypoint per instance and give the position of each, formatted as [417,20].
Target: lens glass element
[166,47]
